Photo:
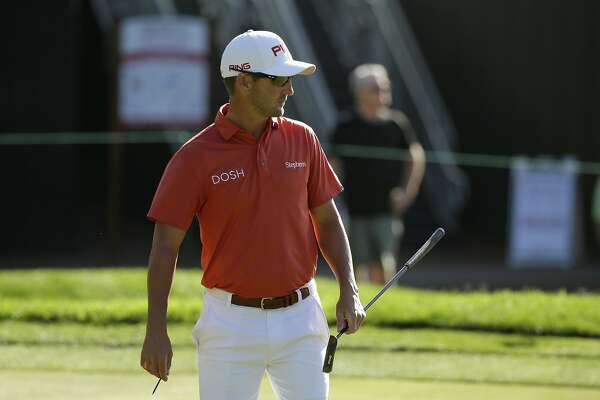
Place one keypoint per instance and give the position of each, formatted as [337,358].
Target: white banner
[168,34]
[164,73]
[543,214]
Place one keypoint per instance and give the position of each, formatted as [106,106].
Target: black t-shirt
[368,181]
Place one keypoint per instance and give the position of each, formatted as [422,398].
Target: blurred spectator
[377,191]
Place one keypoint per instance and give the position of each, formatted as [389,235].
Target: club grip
[429,244]
[329,354]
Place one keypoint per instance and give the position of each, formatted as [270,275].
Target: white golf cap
[261,51]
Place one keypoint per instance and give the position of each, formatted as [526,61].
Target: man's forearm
[414,171]
[334,245]
[336,250]
[160,276]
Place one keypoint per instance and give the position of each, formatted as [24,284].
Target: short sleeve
[178,196]
[406,127]
[323,183]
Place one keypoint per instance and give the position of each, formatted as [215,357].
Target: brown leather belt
[270,303]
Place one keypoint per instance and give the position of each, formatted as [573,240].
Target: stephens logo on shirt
[295,164]
[232,175]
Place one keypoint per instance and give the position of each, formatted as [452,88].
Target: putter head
[329,354]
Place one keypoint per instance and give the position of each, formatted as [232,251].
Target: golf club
[427,246]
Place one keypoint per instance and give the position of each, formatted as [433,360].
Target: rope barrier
[463,159]
[70,138]
[153,137]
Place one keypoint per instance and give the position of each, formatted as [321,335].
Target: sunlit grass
[78,333]
[118,296]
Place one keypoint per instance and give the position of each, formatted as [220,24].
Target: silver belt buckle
[262,301]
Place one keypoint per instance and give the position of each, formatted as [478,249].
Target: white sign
[543,214]
[168,34]
[164,72]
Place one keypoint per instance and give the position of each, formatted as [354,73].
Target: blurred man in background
[377,192]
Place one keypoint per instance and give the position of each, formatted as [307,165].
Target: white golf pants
[237,345]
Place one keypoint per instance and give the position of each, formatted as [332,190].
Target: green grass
[368,339]
[118,296]
[73,361]
[72,334]
[105,386]
[449,367]
[452,356]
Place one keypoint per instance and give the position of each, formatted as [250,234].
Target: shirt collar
[228,129]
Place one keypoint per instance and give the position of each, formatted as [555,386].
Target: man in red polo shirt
[262,190]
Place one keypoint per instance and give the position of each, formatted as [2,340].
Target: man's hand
[156,355]
[349,312]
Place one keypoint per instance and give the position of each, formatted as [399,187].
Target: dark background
[518,77]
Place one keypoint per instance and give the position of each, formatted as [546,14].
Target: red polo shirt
[252,199]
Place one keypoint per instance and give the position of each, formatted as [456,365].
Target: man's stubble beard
[268,110]
[276,111]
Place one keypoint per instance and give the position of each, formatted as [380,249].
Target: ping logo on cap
[278,48]
[239,67]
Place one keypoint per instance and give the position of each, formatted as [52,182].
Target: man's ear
[244,82]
